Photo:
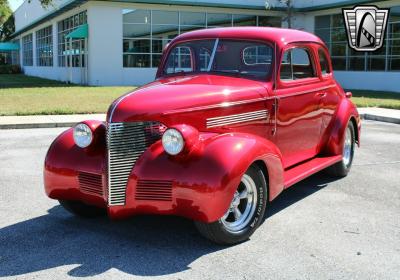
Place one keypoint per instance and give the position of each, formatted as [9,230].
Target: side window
[180,60]
[256,55]
[297,64]
[323,62]
[204,58]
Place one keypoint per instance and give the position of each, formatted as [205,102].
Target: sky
[14,4]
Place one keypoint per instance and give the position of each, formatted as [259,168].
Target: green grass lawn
[365,98]
[25,95]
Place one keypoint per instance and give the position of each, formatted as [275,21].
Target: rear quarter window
[323,62]
[297,64]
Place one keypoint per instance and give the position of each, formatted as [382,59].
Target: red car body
[291,129]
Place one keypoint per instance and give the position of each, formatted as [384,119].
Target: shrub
[10,69]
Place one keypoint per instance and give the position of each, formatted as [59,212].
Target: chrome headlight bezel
[173,141]
[83,135]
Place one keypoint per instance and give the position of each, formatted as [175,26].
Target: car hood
[177,94]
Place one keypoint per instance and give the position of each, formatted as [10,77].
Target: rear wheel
[342,168]
[81,209]
[244,214]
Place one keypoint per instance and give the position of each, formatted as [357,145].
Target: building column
[105,45]
[55,45]
[34,48]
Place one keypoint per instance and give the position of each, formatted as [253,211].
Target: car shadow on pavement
[144,245]
[299,191]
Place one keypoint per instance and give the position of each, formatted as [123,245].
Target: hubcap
[242,207]
[347,147]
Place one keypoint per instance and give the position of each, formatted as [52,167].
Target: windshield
[246,59]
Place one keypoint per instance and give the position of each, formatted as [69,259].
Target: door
[298,95]
[330,100]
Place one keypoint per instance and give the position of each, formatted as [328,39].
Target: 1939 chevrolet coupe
[234,117]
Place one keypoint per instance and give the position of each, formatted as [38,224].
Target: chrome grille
[90,183]
[126,143]
[158,190]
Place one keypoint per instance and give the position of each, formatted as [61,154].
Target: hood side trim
[219,105]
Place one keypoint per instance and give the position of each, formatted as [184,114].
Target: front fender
[65,161]
[204,180]
[334,135]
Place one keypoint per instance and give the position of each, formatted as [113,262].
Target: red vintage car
[234,117]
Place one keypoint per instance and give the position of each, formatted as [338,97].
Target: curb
[379,118]
[36,125]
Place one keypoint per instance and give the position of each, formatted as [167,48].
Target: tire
[232,228]
[342,168]
[81,209]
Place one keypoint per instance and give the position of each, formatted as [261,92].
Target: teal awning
[8,47]
[80,33]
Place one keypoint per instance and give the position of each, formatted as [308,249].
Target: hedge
[10,69]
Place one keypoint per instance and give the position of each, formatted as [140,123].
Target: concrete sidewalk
[380,114]
[15,122]
[46,121]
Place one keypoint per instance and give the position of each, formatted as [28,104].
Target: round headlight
[172,141]
[83,135]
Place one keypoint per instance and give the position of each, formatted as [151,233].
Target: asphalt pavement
[321,228]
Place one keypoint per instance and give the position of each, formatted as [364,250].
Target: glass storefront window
[219,20]
[376,63]
[27,50]
[147,32]
[244,20]
[193,19]
[65,27]
[44,46]
[269,21]
[331,29]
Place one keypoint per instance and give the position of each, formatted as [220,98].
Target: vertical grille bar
[126,143]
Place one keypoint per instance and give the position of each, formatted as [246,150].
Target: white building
[120,42]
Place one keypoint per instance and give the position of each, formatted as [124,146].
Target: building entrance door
[77,55]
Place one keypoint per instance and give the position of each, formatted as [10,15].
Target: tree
[45,3]
[6,20]
[288,4]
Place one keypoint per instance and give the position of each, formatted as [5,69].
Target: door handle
[320,94]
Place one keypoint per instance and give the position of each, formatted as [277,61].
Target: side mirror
[348,94]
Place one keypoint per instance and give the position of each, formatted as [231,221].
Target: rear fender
[334,135]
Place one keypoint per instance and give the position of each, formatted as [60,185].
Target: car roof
[280,36]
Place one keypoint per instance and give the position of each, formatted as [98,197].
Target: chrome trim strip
[220,105]
[305,91]
[248,101]
[237,118]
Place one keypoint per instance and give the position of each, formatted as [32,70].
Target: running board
[308,168]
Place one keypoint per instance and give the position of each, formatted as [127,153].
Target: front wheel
[244,214]
[342,168]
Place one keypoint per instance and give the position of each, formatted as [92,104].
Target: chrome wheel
[242,207]
[347,148]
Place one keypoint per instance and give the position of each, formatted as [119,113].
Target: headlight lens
[83,135]
[172,141]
